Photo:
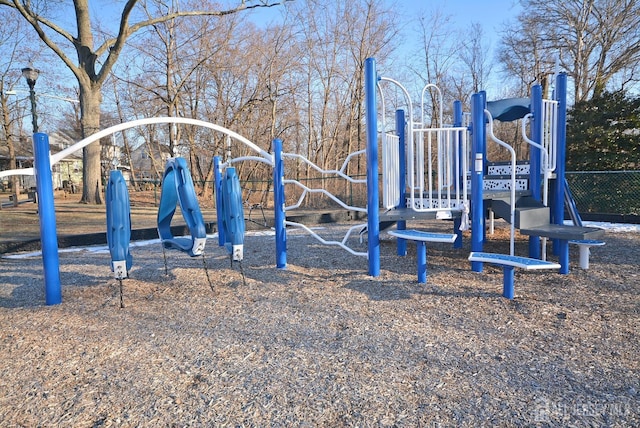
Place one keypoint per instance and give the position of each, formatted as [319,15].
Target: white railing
[436,161]
[307,190]
[437,166]
[548,145]
[512,185]
[550,131]
[390,171]
[548,149]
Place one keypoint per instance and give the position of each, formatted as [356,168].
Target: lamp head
[31,74]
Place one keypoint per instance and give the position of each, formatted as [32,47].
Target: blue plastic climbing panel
[177,188]
[118,224]
[233,214]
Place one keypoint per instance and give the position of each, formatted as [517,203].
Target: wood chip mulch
[321,343]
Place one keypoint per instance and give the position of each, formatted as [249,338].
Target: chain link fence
[595,192]
[610,192]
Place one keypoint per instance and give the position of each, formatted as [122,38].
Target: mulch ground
[321,343]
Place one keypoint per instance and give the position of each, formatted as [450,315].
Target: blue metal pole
[561,95]
[47,213]
[278,205]
[483,95]
[218,193]
[535,181]
[402,168]
[477,197]
[457,122]
[421,255]
[507,282]
[561,157]
[373,214]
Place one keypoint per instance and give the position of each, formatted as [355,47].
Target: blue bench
[421,238]
[584,245]
[509,263]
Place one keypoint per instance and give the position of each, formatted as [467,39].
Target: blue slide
[177,188]
[233,214]
[118,225]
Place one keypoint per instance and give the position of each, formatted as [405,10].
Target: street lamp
[31,74]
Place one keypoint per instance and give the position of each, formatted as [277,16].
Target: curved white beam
[132,124]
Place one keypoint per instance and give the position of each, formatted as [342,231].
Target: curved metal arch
[139,122]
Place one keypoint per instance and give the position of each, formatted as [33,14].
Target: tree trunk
[90,98]
[15,181]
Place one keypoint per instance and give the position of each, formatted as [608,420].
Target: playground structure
[427,173]
[440,162]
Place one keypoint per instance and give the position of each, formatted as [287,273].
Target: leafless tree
[11,48]
[96,54]
[595,41]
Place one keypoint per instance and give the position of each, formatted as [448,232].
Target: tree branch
[115,45]
[35,21]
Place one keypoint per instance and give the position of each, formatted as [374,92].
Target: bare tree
[95,58]
[596,41]
[439,54]
[474,55]
[11,48]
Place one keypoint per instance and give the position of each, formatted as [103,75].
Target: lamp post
[31,74]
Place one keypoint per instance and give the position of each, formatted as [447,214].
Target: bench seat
[421,238]
[509,263]
[584,245]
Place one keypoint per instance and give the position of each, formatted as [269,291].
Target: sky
[490,13]
[493,15]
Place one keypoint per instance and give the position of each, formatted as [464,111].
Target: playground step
[398,214]
[502,182]
[528,212]
[504,168]
[564,232]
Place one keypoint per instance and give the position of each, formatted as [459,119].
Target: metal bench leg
[563,253]
[401,244]
[507,282]
[456,229]
[421,250]
[584,256]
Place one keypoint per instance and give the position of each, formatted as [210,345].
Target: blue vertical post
[483,96]
[535,181]
[563,256]
[373,215]
[47,213]
[421,255]
[218,194]
[561,141]
[458,179]
[402,170]
[477,196]
[507,282]
[278,205]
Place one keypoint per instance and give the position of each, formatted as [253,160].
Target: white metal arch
[268,158]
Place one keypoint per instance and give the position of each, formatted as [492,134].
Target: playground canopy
[509,109]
